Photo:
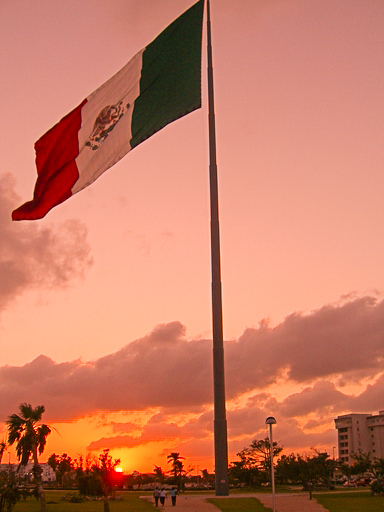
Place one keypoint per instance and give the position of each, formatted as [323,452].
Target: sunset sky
[105,307]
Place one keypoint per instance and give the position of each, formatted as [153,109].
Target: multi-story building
[376,430]
[360,433]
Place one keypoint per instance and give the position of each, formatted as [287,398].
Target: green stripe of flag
[170,84]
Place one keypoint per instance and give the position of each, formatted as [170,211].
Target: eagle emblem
[105,123]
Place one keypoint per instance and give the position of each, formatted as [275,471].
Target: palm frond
[42,433]
[30,413]
[15,426]
[23,431]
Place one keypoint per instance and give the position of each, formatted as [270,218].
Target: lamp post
[271,421]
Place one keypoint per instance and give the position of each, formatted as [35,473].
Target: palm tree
[3,446]
[177,467]
[175,459]
[30,438]
[159,475]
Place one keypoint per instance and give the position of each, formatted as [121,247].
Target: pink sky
[105,303]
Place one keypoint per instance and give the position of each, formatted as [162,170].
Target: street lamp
[271,421]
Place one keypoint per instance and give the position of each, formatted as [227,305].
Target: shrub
[74,498]
[377,487]
[90,485]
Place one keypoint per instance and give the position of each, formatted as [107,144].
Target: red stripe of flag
[56,167]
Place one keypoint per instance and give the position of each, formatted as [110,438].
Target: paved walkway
[292,503]
[191,503]
[284,502]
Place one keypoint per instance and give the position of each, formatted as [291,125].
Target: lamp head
[270,420]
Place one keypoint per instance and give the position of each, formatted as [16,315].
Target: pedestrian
[163,495]
[173,494]
[156,495]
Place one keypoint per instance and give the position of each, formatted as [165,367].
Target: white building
[360,433]
[27,471]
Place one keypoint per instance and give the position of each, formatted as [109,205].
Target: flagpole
[220,421]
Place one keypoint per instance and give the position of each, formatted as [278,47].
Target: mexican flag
[160,84]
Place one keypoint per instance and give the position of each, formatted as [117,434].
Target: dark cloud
[160,428]
[161,368]
[195,438]
[369,400]
[165,370]
[32,256]
[116,442]
[319,398]
[335,340]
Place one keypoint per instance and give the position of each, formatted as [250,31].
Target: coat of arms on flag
[105,123]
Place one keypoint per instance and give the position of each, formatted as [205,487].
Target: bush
[90,485]
[377,487]
[10,492]
[74,498]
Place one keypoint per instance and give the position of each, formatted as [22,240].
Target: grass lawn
[351,502]
[131,502]
[239,505]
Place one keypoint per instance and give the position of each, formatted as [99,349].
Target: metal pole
[220,421]
[272,421]
[272,469]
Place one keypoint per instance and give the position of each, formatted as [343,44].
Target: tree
[309,470]
[87,482]
[255,463]
[377,486]
[53,461]
[243,473]
[178,471]
[10,492]
[364,463]
[105,469]
[259,453]
[208,479]
[62,466]
[346,469]
[3,446]
[175,459]
[177,467]
[159,474]
[30,437]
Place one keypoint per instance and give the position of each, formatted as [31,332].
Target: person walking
[163,495]
[156,495]
[173,494]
